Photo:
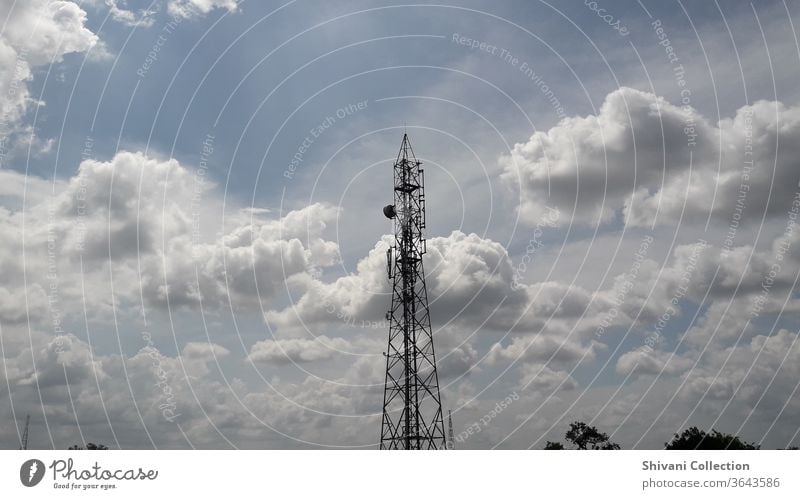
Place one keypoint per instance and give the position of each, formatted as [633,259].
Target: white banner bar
[385,475]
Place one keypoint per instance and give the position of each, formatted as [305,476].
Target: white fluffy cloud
[297,350]
[86,259]
[143,18]
[652,362]
[467,276]
[192,8]
[43,31]
[35,33]
[634,159]
[549,349]
[763,371]
[158,226]
[138,216]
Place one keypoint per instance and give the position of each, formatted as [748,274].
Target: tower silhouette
[412,407]
[23,445]
[451,439]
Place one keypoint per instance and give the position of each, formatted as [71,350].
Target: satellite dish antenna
[389,211]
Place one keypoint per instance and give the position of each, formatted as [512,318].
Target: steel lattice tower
[412,407]
[24,442]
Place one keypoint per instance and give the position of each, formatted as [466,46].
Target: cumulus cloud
[297,350]
[35,33]
[155,400]
[143,18]
[193,8]
[203,351]
[636,160]
[473,299]
[541,378]
[467,276]
[43,31]
[752,382]
[159,226]
[482,320]
[551,349]
[152,221]
[62,361]
[135,235]
[16,307]
[647,361]
[136,214]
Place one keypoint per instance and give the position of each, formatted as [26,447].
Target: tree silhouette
[89,446]
[696,439]
[584,437]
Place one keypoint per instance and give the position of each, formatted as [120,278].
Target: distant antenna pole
[412,407]
[451,440]
[24,444]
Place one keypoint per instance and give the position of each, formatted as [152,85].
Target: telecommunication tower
[24,443]
[412,407]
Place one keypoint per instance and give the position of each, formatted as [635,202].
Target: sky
[192,247]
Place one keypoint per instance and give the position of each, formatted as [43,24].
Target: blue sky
[152,145]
